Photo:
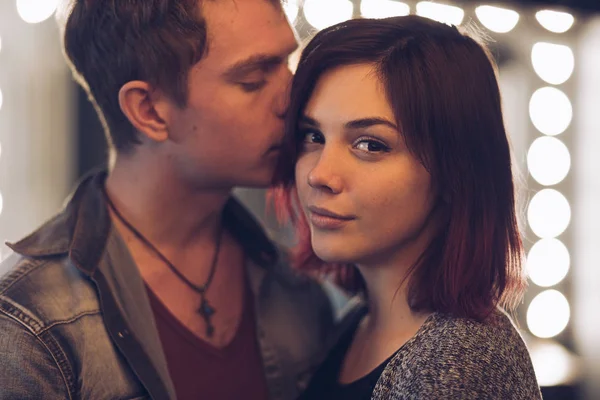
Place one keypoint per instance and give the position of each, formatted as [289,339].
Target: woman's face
[366,197]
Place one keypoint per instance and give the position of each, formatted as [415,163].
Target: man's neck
[182,223]
[161,206]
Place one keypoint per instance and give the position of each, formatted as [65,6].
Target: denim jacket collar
[83,227]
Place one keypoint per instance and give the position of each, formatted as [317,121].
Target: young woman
[397,174]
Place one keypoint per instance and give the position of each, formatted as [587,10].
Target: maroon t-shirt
[201,371]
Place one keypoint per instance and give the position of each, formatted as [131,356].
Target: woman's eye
[313,137]
[372,146]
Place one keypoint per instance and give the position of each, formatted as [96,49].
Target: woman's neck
[389,324]
[387,296]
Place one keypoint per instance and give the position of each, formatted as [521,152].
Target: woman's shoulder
[496,332]
[462,358]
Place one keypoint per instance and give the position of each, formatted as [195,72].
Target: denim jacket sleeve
[28,370]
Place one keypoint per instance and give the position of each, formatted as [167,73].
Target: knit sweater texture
[459,358]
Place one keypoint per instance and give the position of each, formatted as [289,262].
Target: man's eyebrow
[257,62]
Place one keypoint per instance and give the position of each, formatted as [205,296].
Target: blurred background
[549,59]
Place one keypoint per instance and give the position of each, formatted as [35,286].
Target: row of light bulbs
[321,14]
[549,211]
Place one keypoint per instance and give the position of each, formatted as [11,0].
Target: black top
[325,383]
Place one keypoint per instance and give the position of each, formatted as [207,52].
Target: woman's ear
[138,101]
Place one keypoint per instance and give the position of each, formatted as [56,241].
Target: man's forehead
[241,29]
[232,15]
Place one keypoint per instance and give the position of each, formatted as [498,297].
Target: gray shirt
[458,358]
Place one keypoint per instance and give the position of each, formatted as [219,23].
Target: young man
[154,282]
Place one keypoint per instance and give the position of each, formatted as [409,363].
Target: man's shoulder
[42,292]
[50,323]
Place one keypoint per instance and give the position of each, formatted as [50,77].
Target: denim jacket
[75,320]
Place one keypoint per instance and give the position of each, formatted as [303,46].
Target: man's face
[229,132]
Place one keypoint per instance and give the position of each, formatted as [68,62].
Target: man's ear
[138,102]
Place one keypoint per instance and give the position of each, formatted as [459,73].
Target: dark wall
[91,142]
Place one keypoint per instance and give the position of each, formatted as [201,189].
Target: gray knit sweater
[454,358]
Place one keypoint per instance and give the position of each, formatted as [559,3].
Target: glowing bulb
[548,262]
[322,14]
[548,314]
[554,63]
[34,11]
[550,111]
[446,14]
[383,8]
[552,363]
[549,213]
[548,160]
[497,19]
[555,21]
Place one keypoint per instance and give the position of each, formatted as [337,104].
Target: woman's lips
[325,219]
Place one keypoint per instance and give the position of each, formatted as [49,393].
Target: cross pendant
[207,311]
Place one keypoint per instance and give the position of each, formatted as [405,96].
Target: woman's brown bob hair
[442,86]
